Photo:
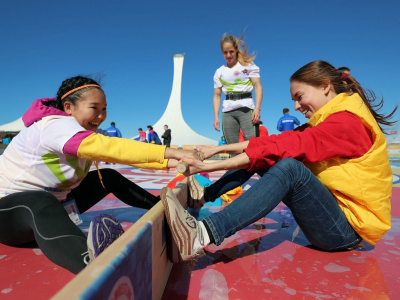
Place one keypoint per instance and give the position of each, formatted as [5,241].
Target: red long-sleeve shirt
[341,135]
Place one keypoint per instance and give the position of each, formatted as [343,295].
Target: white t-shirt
[236,80]
[35,159]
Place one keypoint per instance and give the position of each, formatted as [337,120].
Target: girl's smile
[309,99]
[91,109]
[230,54]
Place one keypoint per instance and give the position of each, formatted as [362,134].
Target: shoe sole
[172,248]
[196,193]
[176,256]
[103,231]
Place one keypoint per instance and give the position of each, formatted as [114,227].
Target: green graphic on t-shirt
[231,86]
[52,161]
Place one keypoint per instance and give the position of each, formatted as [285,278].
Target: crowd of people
[153,138]
[333,172]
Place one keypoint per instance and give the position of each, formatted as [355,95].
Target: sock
[197,246]
[210,237]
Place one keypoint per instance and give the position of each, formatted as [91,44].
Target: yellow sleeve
[123,151]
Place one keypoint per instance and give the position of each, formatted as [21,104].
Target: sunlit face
[230,54]
[309,99]
[90,110]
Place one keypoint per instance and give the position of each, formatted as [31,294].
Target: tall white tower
[181,133]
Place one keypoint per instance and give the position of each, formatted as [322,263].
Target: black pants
[38,216]
[229,181]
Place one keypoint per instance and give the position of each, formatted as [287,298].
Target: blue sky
[130,45]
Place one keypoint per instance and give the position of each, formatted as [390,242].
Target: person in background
[236,79]
[113,131]
[222,141]
[333,172]
[287,122]
[152,136]
[166,136]
[7,139]
[48,164]
[262,129]
[345,70]
[142,135]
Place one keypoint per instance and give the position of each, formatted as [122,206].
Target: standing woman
[237,79]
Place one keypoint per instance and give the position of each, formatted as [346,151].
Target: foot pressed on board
[185,229]
[103,231]
[196,193]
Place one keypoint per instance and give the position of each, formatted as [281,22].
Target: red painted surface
[262,262]
[259,262]
[396,202]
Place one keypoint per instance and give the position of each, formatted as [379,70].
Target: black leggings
[38,216]
[230,180]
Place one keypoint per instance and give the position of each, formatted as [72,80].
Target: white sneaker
[185,229]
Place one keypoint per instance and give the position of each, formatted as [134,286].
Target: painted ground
[262,261]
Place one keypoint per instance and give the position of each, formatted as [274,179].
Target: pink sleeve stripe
[71,147]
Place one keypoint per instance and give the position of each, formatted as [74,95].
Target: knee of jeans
[288,163]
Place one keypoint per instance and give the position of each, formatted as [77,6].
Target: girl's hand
[255,117]
[205,151]
[197,155]
[195,166]
[216,124]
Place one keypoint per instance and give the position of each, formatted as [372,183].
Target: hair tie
[79,88]
[344,75]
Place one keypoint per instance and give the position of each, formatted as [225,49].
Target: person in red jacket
[333,172]
[263,130]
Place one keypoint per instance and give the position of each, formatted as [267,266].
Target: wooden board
[135,266]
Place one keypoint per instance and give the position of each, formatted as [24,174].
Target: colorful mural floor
[262,261]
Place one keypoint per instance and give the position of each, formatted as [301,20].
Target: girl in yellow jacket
[332,172]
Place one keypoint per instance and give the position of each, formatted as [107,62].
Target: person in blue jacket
[287,122]
[222,141]
[113,131]
[152,136]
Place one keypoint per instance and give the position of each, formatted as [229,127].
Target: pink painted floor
[262,262]
[259,262]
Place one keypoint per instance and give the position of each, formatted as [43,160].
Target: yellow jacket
[362,186]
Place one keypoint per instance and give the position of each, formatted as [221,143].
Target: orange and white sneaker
[185,229]
[196,193]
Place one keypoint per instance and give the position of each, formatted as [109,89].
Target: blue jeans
[313,206]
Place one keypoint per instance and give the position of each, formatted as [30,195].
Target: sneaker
[196,191]
[185,229]
[103,231]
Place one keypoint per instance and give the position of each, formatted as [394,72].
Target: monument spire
[182,134]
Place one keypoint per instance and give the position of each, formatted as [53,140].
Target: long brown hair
[320,72]
[238,43]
